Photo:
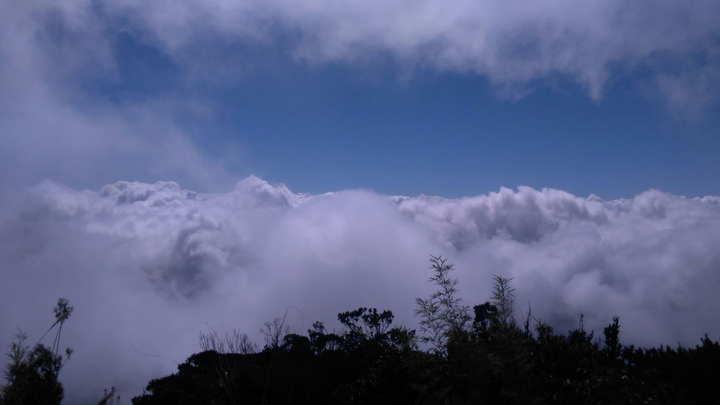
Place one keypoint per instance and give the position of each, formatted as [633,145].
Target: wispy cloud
[515,44]
[53,128]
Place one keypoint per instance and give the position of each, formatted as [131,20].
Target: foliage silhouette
[443,313]
[489,360]
[32,372]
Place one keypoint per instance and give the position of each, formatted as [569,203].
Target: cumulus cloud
[148,266]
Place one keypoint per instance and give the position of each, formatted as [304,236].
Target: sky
[174,167]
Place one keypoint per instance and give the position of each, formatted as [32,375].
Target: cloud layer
[148,266]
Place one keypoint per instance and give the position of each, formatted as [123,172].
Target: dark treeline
[477,355]
[459,355]
[498,365]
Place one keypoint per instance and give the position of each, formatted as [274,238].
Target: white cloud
[53,127]
[514,43]
[148,266]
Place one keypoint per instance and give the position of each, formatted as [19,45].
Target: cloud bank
[148,266]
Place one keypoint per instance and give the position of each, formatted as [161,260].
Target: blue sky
[611,98]
[335,126]
[450,135]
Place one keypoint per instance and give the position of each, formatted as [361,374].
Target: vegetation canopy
[468,355]
[462,355]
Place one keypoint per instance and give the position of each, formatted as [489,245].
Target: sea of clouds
[149,266]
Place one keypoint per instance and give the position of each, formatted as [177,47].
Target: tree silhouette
[443,313]
[32,373]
